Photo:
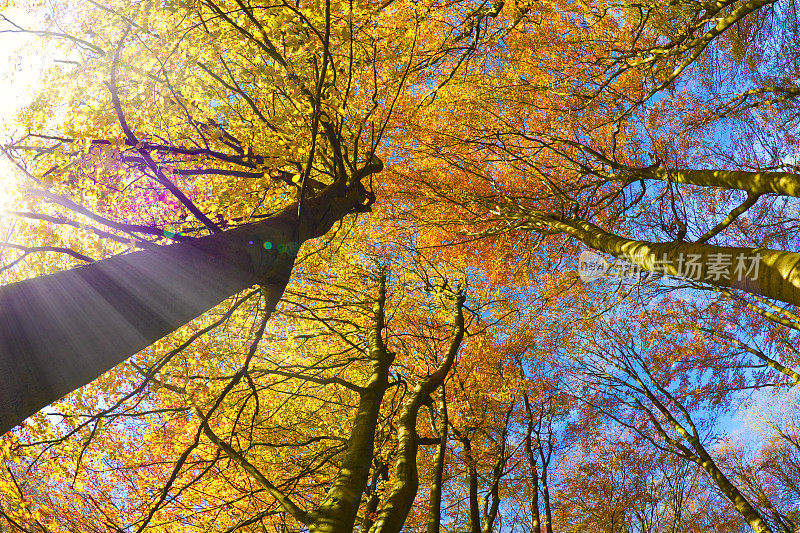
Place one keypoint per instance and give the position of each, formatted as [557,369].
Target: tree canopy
[403,266]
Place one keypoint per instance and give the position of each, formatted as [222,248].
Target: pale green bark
[778,275]
[754,183]
[733,494]
[783,183]
[397,505]
[435,507]
[700,455]
[536,519]
[337,512]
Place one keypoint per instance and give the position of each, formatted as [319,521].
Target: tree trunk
[536,518]
[732,493]
[704,459]
[337,512]
[59,332]
[548,513]
[491,502]
[783,183]
[778,275]
[472,473]
[397,505]
[435,509]
[374,496]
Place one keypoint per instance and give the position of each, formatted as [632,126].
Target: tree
[635,382]
[578,149]
[262,120]
[616,482]
[514,137]
[186,127]
[541,444]
[61,331]
[221,431]
[765,466]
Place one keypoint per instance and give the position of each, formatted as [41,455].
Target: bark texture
[59,332]
[778,274]
[403,491]
[435,508]
[337,512]
[783,183]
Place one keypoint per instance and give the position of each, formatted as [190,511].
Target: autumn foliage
[423,350]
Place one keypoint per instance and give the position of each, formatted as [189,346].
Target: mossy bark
[770,273]
[59,332]
[403,491]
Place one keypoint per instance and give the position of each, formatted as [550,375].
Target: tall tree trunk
[397,505]
[546,456]
[435,508]
[338,510]
[548,512]
[59,332]
[783,183]
[472,477]
[536,519]
[778,274]
[374,497]
[491,502]
[738,500]
[700,456]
